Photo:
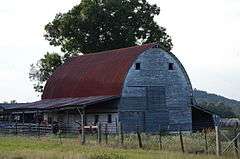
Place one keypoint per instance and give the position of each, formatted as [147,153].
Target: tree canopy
[98,25]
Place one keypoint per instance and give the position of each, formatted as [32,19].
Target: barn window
[96,118]
[137,66]
[109,118]
[170,66]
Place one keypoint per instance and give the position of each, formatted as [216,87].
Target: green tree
[42,70]
[97,25]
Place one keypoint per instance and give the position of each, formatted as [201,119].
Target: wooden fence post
[38,129]
[99,133]
[236,140]
[160,138]
[106,133]
[139,137]
[82,127]
[121,133]
[218,142]
[181,141]
[16,127]
[205,138]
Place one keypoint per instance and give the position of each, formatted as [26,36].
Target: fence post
[16,127]
[205,138]
[181,140]
[160,138]
[139,137]
[121,133]
[99,133]
[218,142]
[82,127]
[38,129]
[236,140]
[106,133]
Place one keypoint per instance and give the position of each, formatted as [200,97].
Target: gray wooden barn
[142,87]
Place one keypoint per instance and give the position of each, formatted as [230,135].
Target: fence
[219,141]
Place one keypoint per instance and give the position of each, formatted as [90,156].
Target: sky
[205,33]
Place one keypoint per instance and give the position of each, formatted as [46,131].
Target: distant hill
[215,102]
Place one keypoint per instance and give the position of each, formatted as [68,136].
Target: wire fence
[203,141]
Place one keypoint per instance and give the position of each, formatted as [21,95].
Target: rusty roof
[96,74]
[58,103]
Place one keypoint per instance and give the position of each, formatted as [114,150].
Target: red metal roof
[97,74]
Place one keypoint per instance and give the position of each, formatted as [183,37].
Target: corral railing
[25,128]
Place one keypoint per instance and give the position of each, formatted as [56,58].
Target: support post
[218,143]
[68,127]
[82,127]
[23,120]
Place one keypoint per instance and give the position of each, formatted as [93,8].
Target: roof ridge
[119,49]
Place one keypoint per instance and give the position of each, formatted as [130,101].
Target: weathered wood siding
[158,96]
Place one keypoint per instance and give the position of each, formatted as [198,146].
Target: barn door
[157,115]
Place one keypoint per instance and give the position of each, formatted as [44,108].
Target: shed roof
[97,74]
[59,103]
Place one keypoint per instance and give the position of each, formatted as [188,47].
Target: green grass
[50,148]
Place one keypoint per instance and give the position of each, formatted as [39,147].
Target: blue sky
[205,33]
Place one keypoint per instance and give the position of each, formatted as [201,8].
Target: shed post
[82,126]
[23,119]
[68,127]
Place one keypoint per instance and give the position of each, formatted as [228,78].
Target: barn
[141,87]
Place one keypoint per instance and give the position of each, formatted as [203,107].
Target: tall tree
[97,25]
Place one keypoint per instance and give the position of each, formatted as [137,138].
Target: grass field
[12,147]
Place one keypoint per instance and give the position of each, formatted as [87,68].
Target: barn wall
[71,118]
[156,96]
